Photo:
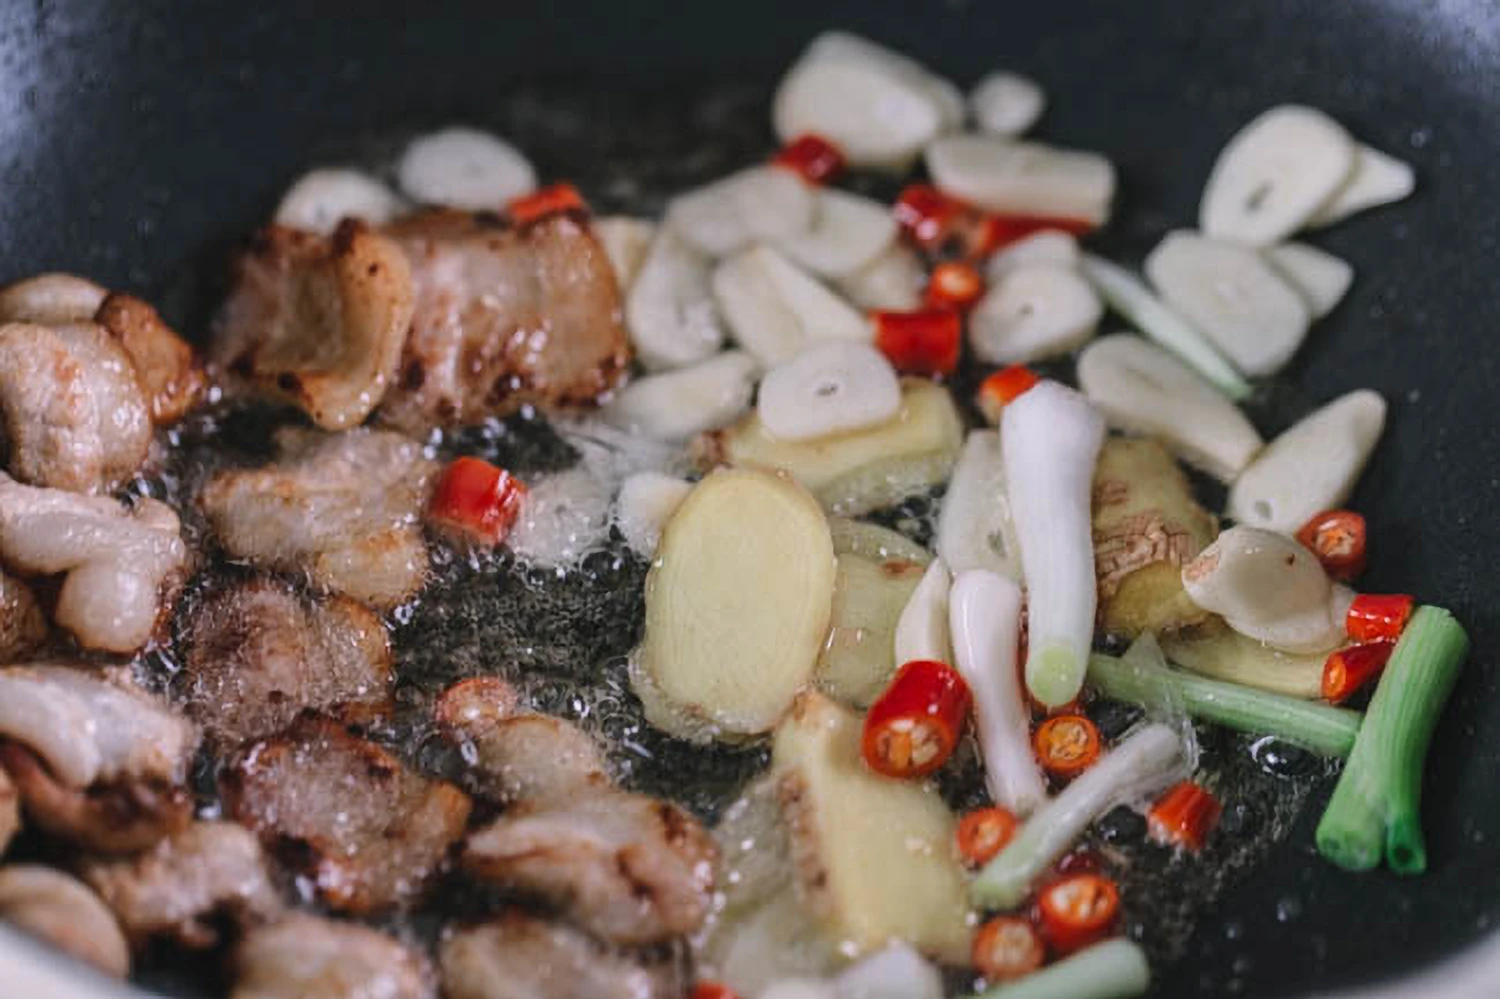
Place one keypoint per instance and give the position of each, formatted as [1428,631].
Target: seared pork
[60,910]
[165,366]
[308,957]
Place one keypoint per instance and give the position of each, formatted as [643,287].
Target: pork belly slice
[366,831]
[309,957]
[504,317]
[342,508]
[57,908]
[166,367]
[22,625]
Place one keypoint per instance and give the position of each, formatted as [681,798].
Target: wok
[138,140]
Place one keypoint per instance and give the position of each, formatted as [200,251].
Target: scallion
[1115,969]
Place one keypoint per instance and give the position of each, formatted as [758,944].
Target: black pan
[137,140]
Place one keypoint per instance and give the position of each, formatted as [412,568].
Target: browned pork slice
[10,810]
[177,887]
[73,412]
[317,321]
[521,956]
[50,299]
[122,564]
[308,957]
[343,508]
[22,624]
[366,830]
[504,317]
[257,654]
[96,761]
[517,755]
[62,911]
[628,868]
[164,363]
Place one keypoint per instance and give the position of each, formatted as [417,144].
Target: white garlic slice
[763,203]
[1023,178]
[1036,311]
[829,389]
[1050,246]
[626,242]
[1142,389]
[1006,104]
[922,628]
[879,108]
[1250,312]
[670,309]
[678,404]
[1319,277]
[646,502]
[892,281]
[464,168]
[776,309]
[975,529]
[1378,179]
[848,232]
[1311,467]
[320,199]
[1268,587]
[1275,175]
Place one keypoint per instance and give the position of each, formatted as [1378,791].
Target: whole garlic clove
[1050,246]
[1023,178]
[1378,179]
[626,243]
[670,309]
[1268,587]
[320,199]
[678,404]
[776,309]
[1250,312]
[1311,467]
[1142,389]
[893,281]
[1275,175]
[763,203]
[1319,277]
[464,168]
[829,389]
[1006,104]
[646,502]
[848,233]
[1036,311]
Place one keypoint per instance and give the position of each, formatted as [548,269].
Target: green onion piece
[1319,728]
[1130,297]
[1376,804]
[1115,969]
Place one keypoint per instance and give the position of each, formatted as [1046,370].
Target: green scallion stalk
[1319,728]
[1376,805]
[1115,969]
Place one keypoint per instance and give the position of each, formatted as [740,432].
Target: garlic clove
[1319,277]
[1050,246]
[1275,175]
[922,628]
[776,309]
[1378,179]
[893,281]
[646,502]
[1142,389]
[678,404]
[1023,178]
[464,168]
[670,309]
[626,242]
[320,199]
[1006,104]
[848,233]
[759,203]
[829,389]
[1311,467]
[1036,311]
[1253,315]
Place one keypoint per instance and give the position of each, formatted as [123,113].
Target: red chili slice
[1067,745]
[912,728]
[920,343]
[1348,670]
[983,833]
[954,285]
[1004,387]
[477,500]
[1337,537]
[817,160]
[1378,617]
[556,199]
[1184,816]
[1007,948]
[1078,910]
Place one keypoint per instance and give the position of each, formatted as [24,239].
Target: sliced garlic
[1251,313]
[1142,389]
[1275,175]
[1036,311]
[775,308]
[763,203]
[1050,246]
[975,530]
[1268,587]
[1311,467]
[464,168]
[1319,277]
[647,501]
[922,628]
[878,107]
[678,404]
[1023,178]
[892,281]
[1006,104]
[670,310]
[829,389]
[1378,179]
[626,242]
[849,231]
[320,199]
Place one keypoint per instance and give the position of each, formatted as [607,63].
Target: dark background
[138,140]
